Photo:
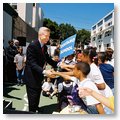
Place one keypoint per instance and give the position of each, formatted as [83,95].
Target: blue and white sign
[67,46]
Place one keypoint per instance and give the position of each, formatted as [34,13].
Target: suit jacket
[36,60]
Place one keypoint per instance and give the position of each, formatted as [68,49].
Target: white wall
[34,17]
[21,9]
[25,11]
[37,20]
[104,40]
[29,13]
[37,17]
[41,16]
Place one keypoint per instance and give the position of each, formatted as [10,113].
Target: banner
[67,46]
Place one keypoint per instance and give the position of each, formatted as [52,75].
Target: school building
[102,33]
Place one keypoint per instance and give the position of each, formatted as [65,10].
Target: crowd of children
[85,71]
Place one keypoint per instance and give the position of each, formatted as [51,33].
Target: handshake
[50,73]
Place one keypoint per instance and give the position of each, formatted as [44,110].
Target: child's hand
[84,91]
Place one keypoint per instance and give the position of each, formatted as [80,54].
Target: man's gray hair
[42,29]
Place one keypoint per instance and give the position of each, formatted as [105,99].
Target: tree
[53,26]
[66,30]
[83,37]
[63,31]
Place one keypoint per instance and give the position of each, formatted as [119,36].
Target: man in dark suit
[37,57]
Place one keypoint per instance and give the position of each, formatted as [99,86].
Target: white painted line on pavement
[26,102]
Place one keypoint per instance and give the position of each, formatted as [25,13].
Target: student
[110,56]
[95,74]
[109,102]
[78,58]
[106,69]
[80,71]
[48,89]
[20,64]
[69,60]
[56,58]
[64,90]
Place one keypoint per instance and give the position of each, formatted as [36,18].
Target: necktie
[44,66]
[43,49]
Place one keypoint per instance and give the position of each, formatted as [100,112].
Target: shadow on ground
[7,88]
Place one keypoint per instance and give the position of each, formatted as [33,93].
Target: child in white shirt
[48,89]
[80,71]
[19,59]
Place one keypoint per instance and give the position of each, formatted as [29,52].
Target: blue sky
[80,15]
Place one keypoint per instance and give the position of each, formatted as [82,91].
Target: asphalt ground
[17,95]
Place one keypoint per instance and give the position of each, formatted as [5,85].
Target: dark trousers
[33,98]
[11,72]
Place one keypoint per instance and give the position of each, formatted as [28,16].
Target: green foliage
[53,26]
[66,30]
[63,31]
[83,36]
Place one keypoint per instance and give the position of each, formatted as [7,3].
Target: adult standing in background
[16,43]
[11,51]
[36,59]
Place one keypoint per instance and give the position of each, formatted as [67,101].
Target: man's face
[44,37]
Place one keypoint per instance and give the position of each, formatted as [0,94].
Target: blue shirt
[107,71]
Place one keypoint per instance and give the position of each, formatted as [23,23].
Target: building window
[108,33]
[108,45]
[33,4]
[100,29]
[108,17]
[110,23]
[94,27]
[99,36]
[93,38]
[99,47]
[100,23]
[94,32]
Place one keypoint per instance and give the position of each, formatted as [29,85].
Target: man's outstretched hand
[50,73]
